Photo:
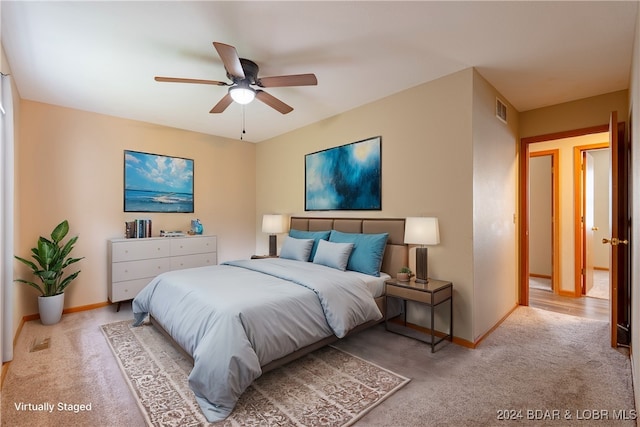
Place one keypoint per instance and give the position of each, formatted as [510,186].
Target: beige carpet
[536,360]
[327,387]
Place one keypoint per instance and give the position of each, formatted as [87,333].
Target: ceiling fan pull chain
[243,131]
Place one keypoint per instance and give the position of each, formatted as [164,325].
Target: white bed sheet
[374,284]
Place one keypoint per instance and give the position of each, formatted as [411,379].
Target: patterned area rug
[327,387]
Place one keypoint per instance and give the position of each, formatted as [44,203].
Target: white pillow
[334,255]
[296,249]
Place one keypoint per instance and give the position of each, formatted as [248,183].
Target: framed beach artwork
[157,183]
[347,177]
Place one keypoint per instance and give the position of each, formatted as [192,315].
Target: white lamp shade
[421,231]
[242,95]
[273,224]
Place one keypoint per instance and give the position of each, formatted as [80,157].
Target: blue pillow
[334,255]
[315,235]
[368,250]
[296,249]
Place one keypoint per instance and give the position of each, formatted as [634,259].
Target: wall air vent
[501,110]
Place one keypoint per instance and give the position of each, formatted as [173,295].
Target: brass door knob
[615,241]
[594,228]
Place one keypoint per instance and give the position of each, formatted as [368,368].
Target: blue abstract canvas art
[344,178]
[156,183]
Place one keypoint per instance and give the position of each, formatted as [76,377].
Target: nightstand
[431,294]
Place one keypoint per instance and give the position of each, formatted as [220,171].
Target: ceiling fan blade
[290,80]
[222,104]
[230,59]
[179,80]
[273,102]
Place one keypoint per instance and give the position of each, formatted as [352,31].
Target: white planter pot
[51,308]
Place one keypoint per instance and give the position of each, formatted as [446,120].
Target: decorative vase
[51,308]
[403,277]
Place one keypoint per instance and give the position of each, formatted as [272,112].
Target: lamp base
[421,265]
[273,245]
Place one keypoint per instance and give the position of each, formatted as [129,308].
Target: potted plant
[52,258]
[405,274]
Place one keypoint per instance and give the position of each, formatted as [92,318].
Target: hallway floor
[591,307]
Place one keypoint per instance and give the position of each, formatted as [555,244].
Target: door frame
[579,232]
[523,195]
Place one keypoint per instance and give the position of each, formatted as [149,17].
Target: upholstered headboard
[396,253]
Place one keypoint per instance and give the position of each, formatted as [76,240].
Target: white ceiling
[102,56]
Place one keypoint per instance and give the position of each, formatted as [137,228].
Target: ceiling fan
[243,74]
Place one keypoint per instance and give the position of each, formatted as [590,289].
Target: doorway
[543,219]
[592,191]
[569,284]
[562,146]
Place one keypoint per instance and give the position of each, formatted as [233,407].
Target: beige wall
[540,213]
[427,169]
[7,312]
[583,113]
[601,165]
[69,165]
[495,166]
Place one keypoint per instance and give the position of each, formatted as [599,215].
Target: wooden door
[619,265]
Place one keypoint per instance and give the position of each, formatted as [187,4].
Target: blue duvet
[236,317]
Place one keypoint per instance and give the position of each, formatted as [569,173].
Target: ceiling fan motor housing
[250,69]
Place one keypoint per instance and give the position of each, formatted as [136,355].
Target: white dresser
[134,262]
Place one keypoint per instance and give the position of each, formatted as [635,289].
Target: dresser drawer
[123,291]
[130,270]
[135,262]
[192,245]
[140,249]
[191,261]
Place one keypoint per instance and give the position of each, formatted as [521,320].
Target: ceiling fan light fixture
[242,94]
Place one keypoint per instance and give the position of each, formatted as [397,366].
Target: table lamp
[273,224]
[421,231]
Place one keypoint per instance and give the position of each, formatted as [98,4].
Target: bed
[242,318]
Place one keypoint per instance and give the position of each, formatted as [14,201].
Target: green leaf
[27,262]
[70,261]
[68,247]
[60,231]
[46,253]
[34,285]
[67,280]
